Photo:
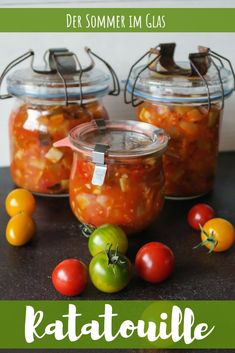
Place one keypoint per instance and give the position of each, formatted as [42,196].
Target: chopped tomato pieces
[35,164]
[190,161]
[131,196]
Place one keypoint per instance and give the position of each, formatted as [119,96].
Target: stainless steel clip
[98,158]
[100,124]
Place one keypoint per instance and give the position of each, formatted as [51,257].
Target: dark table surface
[25,272]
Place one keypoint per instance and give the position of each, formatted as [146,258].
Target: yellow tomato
[20,229]
[20,200]
[218,235]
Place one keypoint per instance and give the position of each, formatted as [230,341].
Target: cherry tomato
[110,271]
[20,200]
[154,262]
[199,215]
[70,277]
[217,235]
[20,229]
[107,235]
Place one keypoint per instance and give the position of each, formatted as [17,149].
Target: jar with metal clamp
[187,100]
[51,101]
[117,174]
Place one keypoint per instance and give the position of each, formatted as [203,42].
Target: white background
[120,50]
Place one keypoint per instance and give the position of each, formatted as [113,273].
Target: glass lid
[206,76]
[122,138]
[62,78]
[27,83]
[172,88]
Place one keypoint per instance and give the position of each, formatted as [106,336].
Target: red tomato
[199,215]
[154,262]
[70,277]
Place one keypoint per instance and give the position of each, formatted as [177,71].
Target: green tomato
[107,235]
[110,271]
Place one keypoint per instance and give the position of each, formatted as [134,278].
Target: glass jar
[117,174]
[50,102]
[186,99]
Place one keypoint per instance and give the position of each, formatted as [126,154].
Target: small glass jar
[117,174]
[49,104]
[185,99]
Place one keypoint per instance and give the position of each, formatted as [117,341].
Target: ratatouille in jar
[117,174]
[50,102]
[186,99]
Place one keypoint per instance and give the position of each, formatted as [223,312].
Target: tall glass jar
[117,174]
[186,99]
[50,102]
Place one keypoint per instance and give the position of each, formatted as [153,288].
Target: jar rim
[123,138]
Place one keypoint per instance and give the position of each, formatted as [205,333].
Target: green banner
[117,324]
[117,20]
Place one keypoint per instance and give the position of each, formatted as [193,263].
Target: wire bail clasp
[134,101]
[10,66]
[63,62]
[115,91]
[163,63]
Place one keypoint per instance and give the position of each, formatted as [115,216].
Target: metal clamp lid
[163,63]
[61,61]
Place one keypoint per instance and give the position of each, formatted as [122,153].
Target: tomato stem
[87,229]
[210,239]
[113,257]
